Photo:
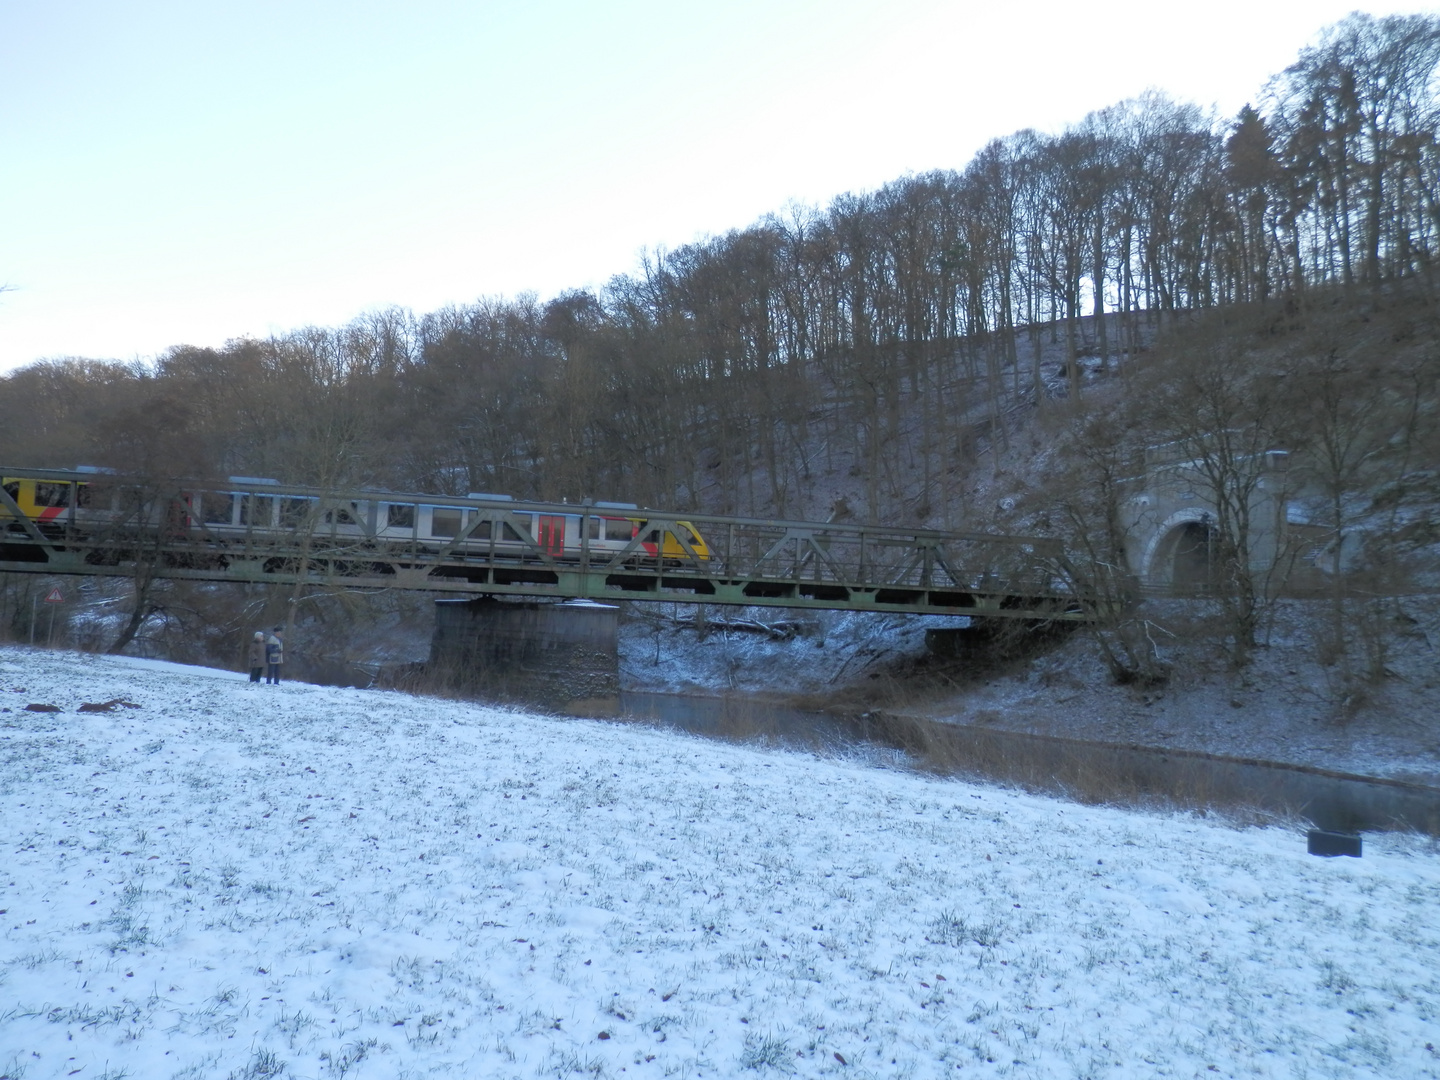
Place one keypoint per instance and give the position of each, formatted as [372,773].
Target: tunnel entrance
[1185,559]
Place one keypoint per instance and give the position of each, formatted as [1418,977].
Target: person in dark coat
[257,656]
[274,655]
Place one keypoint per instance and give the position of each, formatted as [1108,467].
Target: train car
[521,533]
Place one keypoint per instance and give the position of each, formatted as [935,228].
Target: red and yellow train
[89,503]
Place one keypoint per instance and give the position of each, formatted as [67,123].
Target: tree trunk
[143,610]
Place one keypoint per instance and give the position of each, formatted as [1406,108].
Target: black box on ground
[1329,844]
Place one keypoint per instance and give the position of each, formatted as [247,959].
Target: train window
[217,509]
[13,490]
[444,521]
[400,517]
[51,494]
[517,526]
[133,504]
[83,495]
[481,531]
[294,512]
[339,515]
[257,510]
[610,529]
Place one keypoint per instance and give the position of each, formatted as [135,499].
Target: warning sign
[55,596]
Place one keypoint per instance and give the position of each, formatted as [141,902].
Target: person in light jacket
[274,655]
[257,656]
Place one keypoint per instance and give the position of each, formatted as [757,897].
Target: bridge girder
[733,561]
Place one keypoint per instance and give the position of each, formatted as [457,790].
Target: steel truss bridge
[740,561]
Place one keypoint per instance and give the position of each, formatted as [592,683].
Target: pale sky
[191,171]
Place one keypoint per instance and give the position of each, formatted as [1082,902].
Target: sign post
[54,598]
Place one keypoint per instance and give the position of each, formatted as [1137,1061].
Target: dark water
[747,719]
[1087,771]
[306,669]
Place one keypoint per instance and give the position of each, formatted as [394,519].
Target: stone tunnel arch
[1181,555]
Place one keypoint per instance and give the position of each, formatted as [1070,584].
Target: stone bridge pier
[559,656]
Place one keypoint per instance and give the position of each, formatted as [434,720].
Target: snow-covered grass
[247,881]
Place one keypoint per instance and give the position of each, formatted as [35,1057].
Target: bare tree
[156,454]
[1223,419]
[1091,491]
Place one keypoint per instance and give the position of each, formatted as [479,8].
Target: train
[91,504]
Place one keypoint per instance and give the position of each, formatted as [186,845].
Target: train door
[551,536]
[178,516]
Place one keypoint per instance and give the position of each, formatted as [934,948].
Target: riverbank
[1286,707]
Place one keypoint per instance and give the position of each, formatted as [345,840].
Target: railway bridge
[92,523]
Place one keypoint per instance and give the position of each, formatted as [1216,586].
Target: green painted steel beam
[592,586]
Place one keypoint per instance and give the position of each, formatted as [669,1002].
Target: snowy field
[245,881]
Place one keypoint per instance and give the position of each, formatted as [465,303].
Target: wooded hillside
[886,338]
